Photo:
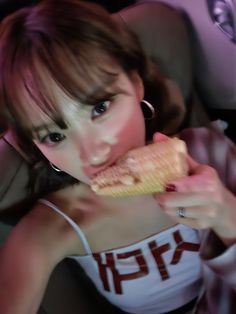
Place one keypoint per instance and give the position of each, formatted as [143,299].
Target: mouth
[92,171]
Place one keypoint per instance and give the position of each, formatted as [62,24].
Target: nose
[94,153]
[93,143]
[101,155]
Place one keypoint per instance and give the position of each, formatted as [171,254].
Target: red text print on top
[158,254]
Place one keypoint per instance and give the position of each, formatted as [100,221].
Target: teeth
[127,180]
[143,170]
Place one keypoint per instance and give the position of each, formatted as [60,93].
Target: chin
[85,180]
[82,178]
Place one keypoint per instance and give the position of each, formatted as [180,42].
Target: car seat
[212,28]
[164,35]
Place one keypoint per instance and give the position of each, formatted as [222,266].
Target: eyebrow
[103,96]
[100,96]
[37,129]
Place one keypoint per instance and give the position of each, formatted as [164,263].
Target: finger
[188,220]
[184,199]
[194,212]
[194,216]
[204,178]
[157,137]
[192,164]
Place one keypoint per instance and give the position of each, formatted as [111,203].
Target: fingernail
[171,188]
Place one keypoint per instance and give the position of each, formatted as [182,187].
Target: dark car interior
[194,44]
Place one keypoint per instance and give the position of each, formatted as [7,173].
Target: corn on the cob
[143,170]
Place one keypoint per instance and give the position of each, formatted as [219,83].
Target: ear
[138,84]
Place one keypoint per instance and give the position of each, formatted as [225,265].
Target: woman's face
[96,136]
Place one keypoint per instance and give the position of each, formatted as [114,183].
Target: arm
[219,258]
[24,273]
[211,147]
[28,257]
[208,203]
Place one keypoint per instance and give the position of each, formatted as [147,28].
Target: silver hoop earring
[181,212]
[151,108]
[55,167]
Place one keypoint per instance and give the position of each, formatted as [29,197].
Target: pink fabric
[212,147]
[218,294]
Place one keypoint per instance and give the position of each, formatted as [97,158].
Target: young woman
[79,98]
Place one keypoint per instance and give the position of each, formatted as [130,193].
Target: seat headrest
[214,53]
[163,34]
[14,175]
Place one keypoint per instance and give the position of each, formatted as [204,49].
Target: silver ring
[181,212]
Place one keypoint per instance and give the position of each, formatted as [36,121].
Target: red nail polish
[171,188]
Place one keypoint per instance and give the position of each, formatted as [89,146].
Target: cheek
[67,160]
[58,157]
[126,124]
[134,128]
[133,132]
[63,160]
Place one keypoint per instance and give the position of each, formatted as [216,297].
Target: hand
[83,204]
[205,200]
[73,197]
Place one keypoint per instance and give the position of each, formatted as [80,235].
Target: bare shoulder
[42,237]
[52,232]
[26,261]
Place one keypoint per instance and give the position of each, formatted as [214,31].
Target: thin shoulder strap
[71,222]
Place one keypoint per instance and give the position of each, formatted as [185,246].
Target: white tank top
[156,275]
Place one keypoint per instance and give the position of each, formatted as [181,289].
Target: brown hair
[69,42]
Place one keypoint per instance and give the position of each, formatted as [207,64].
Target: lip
[91,171]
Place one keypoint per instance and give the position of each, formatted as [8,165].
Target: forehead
[40,84]
[65,108]
[36,115]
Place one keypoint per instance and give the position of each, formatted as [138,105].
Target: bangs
[84,76]
[68,47]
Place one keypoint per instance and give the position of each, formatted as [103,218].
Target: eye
[100,108]
[52,138]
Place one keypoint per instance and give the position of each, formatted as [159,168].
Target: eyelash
[46,139]
[107,105]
